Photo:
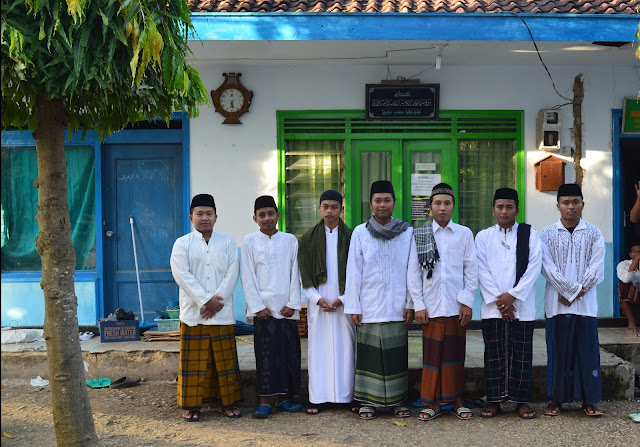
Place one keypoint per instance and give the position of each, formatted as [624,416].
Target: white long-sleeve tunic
[270,275]
[331,359]
[455,275]
[497,271]
[625,275]
[570,262]
[203,270]
[377,276]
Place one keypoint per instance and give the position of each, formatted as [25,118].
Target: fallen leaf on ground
[308,434]
[400,424]
[7,435]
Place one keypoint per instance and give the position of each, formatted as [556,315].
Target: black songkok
[442,188]
[331,194]
[202,200]
[382,186]
[506,193]
[264,202]
[570,189]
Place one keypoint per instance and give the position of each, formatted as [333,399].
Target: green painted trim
[282,192]
[521,170]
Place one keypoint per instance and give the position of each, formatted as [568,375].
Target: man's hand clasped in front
[212,307]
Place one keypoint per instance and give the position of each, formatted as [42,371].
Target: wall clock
[231,99]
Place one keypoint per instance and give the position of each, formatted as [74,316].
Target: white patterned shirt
[270,275]
[376,284]
[570,262]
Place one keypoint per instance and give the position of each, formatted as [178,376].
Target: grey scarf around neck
[388,231]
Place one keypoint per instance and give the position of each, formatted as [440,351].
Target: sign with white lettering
[402,101]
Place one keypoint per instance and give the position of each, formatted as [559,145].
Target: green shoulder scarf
[312,255]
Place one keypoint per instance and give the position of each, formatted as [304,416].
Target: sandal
[314,409]
[634,416]
[553,409]
[367,410]
[430,414]
[491,411]
[401,412]
[592,410]
[191,416]
[458,412]
[261,412]
[288,406]
[230,412]
[353,407]
[525,411]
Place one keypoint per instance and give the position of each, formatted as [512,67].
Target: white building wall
[237,163]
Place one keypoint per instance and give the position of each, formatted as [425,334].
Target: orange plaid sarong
[443,350]
[208,367]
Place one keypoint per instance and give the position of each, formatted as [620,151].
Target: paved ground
[147,415]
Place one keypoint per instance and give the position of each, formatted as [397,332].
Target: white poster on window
[422,184]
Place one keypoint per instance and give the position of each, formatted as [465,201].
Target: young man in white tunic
[380,306]
[205,266]
[271,282]
[573,265]
[444,267]
[322,256]
[509,263]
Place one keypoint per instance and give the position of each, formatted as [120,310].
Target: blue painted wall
[23,303]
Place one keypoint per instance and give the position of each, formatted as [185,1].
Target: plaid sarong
[443,350]
[508,355]
[382,365]
[277,349]
[208,367]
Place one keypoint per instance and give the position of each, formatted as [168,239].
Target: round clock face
[231,100]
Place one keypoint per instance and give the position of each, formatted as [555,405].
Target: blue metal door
[143,181]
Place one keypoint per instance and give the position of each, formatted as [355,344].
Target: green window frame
[349,126]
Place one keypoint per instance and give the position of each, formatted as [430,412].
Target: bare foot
[632,328]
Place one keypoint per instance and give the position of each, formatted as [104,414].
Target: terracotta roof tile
[421,6]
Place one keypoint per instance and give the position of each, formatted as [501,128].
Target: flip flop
[487,413]
[194,417]
[521,409]
[431,414]
[398,410]
[230,412]
[595,411]
[103,382]
[634,416]
[125,382]
[314,409]
[458,412]
[552,409]
[367,410]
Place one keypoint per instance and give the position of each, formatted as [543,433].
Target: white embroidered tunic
[377,276]
[331,358]
[570,262]
[625,275]
[270,275]
[203,270]
[455,275]
[497,271]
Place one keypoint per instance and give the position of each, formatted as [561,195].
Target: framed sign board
[402,101]
[631,116]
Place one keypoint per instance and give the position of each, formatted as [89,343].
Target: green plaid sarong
[382,376]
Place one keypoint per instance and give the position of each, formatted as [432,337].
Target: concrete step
[158,361]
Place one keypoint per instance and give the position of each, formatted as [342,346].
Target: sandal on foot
[592,410]
[191,416]
[367,410]
[458,412]
[553,409]
[401,412]
[525,412]
[429,414]
[353,407]
[261,412]
[314,409]
[230,412]
[491,411]
[288,406]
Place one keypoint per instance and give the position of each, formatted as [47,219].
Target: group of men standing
[365,287]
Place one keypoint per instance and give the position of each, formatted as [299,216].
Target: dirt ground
[147,415]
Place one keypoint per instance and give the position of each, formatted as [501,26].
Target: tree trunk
[72,418]
[578,97]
